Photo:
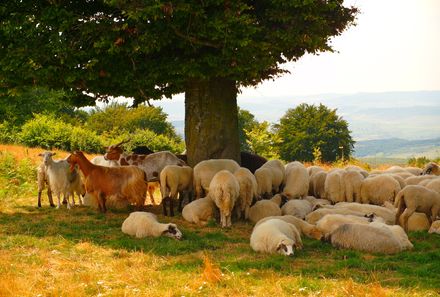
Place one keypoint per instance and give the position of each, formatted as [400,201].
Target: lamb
[352,181]
[296,180]
[297,208]
[435,227]
[366,238]
[43,182]
[270,177]
[431,168]
[125,182]
[318,184]
[199,211]
[334,186]
[416,198]
[275,236]
[248,191]
[302,226]
[265,208]
[175,180]
[143,224]
[224,190]
[61,180]
[205,171]
[328,223]
[378,189]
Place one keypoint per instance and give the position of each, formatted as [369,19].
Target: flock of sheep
[350,208]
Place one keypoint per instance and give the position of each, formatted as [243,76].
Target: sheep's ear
[282,247]
[171,229]
[370,216]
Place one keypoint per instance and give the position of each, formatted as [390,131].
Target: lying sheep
[397,231]
[175,181]
[302,226]
[352,182]
[248,191]
[417,198]
[199,211]
[297,208]
[328,223]
[143,224]
[270,178]
[296,180]
[205,171]
[435,227]
[316,215]
[224,190]
[318,184]
[431,168]
[265,208]
[366,238]
[387,214]
[378,189]
[334,186]
[275,236]
[315,201]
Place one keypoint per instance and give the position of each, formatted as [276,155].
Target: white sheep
[205,171]
[399,179]
[248,191]
[62,180]
[297,208]
[330,222]
[415,180]
[435,227]
[175,181]
[224,190]
[199,211]
[265,208]
[275,236]
[43,182]
[314,169]
[296,180]
[315,201]
[270,177]
[397,231]
[143,224]
[334,186]
[352,182]
[357,169]
[414,170]
[378,189]
[387,214]
[302,226]
[316,215]
[434,185]
[101,161]
[431,168]
[416,222]
[318,184]
[366,238]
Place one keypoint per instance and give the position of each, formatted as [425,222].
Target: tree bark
[211,120]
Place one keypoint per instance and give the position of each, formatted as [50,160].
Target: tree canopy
[307,129]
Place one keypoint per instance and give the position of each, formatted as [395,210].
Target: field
[78,252]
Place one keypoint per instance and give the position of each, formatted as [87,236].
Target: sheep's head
[172,232]
[72,159]
[285,247]
[47,157]
[430,168]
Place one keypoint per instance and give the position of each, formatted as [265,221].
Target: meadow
[79,252]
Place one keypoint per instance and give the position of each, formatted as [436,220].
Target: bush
[420,161]
[8,133]
[153,141]
[86,140]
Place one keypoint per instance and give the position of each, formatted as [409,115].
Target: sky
[395,46]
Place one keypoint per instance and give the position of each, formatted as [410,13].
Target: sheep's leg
[73,199]
[66,197]
[405,216]
[80,199]
[59,200]
[181,197]
[39,198]
[101,202]
[164,205]
[172,206]
[246,212]
[151,194]
[49,194]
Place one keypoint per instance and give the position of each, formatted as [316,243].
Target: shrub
[153,141]
[86,140]
[7,133]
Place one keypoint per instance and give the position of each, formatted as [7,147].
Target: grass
[78,252]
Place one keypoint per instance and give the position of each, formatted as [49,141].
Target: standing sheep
[270,178]
[318,184]
[352,182]
[275,236]
[175,181]
[431,168]
[143,224]
[224,191]
[296,180]
[248,191]
[199,211]
[434,185]
[43,182]
[415,180]
[378,189]
[334,186]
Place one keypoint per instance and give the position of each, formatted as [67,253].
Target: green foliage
[7,132]
[309,127]
[16,177]
[246,122]
[420,161]
[153,141]
[262,141]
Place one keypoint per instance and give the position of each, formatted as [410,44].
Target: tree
[309,128]
[263,141]
[151,49]
[246,122]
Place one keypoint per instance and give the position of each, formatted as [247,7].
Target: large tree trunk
[211,120]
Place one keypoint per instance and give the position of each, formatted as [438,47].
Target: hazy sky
[394,47]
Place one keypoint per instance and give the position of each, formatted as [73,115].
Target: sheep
[248,191]
[318,184]
[399,179]
[199,211]
[275,236]
[61,179]
[143,224]
[387,214]
[316,215]
[43,182]
[224,190]
[205,171]
[175,180]
[303,227]
[413,170]
[357,169]
[435,227]
[314,169]
[366,238]
[315,201]
[352,180]
[403,174]
[434,185]
[265,208]
[334,186]
[297,208]
[328,223]
[415,180]
[125,182]
[416,222]
[397,231]
[378,189]
[296,180]
[102,161]
[431,168]
[416,198]
[270,177]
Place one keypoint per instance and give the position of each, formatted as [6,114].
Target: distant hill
[398,148]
